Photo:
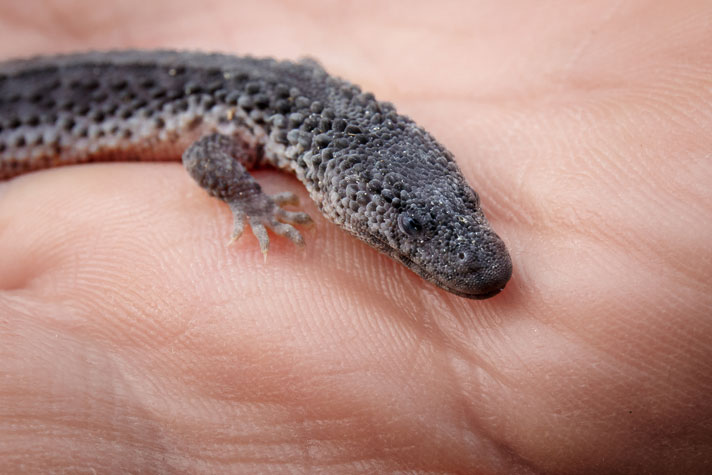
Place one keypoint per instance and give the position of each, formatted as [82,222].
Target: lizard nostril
[467,262]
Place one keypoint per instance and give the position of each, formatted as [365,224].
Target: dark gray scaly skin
[370,170]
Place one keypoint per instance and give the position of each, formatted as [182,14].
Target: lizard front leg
[216,163]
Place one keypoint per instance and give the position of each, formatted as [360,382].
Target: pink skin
[132,338]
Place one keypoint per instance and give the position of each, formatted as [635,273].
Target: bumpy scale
[370,170]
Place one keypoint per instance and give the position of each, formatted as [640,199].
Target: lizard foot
[217,162]
[264,212]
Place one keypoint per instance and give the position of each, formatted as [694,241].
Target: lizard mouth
[470,287]
[491,294]
[481,296]
[482,285]
[473,293]
[470,291]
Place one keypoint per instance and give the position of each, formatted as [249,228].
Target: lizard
[369,169]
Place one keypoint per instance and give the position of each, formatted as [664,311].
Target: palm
[132,337]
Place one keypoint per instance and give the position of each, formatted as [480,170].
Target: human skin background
[133,339]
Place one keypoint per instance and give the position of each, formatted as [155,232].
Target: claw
[260,232]
[288,231]
[238,225]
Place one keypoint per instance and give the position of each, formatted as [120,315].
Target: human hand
[133,339]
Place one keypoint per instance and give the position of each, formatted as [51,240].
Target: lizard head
[445,238]
[418,209]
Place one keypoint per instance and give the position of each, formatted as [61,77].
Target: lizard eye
[409,225]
